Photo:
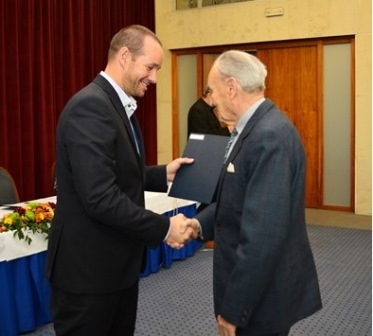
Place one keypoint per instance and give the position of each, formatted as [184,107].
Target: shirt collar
[247,115]
[129,103]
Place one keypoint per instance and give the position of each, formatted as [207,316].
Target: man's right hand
[182,231]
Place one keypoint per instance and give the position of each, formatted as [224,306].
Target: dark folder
[198,180]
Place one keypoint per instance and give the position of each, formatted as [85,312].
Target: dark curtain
[48,51]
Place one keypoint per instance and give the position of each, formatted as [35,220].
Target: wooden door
[207,61]
[293,84]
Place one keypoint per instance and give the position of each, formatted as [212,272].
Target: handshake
[182,230]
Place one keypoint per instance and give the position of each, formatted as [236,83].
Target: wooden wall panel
[292,85]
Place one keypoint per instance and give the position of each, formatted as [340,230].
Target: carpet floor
[178,301]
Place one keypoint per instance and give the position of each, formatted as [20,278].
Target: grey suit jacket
[264,273]
[100,227]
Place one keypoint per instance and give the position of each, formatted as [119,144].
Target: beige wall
[245,22]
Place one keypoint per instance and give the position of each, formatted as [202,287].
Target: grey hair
[247,69]
[131,37]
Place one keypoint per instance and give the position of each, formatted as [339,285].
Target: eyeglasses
[207,91]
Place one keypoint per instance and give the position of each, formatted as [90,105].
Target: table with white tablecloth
[25,294]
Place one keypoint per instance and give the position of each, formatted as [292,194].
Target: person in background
[100,229]
[264,274]
[203,119]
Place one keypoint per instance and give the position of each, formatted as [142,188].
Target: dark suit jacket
[100,227]
[264,273]
[202,119]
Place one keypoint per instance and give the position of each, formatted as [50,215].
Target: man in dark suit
[100,229]
[202,118]
[264,274]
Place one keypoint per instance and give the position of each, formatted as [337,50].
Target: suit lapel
[120,111]
[259,113]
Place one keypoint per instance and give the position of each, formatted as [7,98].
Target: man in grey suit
[264,274]
[101,227]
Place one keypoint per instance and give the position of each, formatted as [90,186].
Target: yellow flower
[39,217]
[7,220]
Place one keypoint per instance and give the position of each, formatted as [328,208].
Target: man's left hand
[174,166]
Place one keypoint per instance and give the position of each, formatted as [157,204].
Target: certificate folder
[198,180]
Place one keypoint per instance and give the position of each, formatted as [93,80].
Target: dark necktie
[230,142]
[135,131]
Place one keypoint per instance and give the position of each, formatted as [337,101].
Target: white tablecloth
[12,248]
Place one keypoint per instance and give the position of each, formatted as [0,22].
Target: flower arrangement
[34,216]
